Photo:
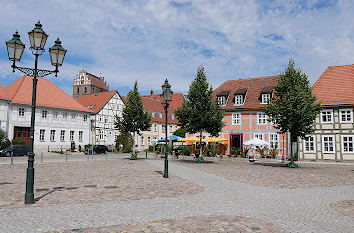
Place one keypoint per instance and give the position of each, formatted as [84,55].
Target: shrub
[213,151]
[87,146]
[127,149]
[273,150]
[261,151]
[236,151]
[4,141]
[58,151]
[151,148]
[200,159]
[18,141]
[245,152]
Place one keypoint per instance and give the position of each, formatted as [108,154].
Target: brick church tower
[86,83]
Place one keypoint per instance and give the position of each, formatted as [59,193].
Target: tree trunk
[134,143]
[201,137]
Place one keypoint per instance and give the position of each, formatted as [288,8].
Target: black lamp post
[166,97]
[15,50]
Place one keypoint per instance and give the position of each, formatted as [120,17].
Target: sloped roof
[97,100]
[335,86]
[3,94]
[153,103]
[48,95]
[254,87]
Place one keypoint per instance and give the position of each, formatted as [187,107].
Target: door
[236,141]
[22,133]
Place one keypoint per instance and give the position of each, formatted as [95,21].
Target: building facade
[59,119]
[333,138]
[152,104]
[4,103]
[243,101]
[105,106]
[86,83]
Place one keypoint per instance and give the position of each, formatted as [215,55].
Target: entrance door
[22,133]
[236,141]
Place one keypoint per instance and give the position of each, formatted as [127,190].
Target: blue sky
[152,40]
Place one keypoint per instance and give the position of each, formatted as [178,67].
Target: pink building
[243,101]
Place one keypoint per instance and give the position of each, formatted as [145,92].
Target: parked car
[15,150]
[97,149]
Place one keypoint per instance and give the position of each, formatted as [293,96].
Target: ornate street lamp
[15,50]
[166,97]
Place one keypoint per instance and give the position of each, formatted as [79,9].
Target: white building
[104,106]
[59,119]
[4,102]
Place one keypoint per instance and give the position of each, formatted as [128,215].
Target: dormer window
[222,100]
[265,97]
[238,99]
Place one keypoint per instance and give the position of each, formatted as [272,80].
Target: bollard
[146,154]
[106,155]
[41,157]
[12,158]
[66,155]
[88,156]
[92,153]
[173,156]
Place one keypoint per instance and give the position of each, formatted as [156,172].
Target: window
[41,135]
[62,135]
[265,98]
[258,135]
[155,126]
[274,140]
[100,118]
[347,144]
[142,141]
[55,114]
[152,114]
[44,114]
[309,144]
[163,129]
[222,100]
[106,119]
[327,116]
[101,134]
[21,111]
[171,128]
[262,118]
[328,144]
[160,114]
[85,117]
[52,135]
[238,100]
[73,116]
[71,136]
[65,115]
[149,141]
[85,90]
[236,119]
[346,115]
[172,116]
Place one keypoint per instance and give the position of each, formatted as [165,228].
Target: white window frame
[41,135]
[236,118]
[85,117]
[342,144]
[73,116]
[261,118]
[350,115]
[222,100]
[44,113]
[256,135]
[21,112]
[160,114]
[265,98]
[65,115]
[55,114]
[305,142]
[149,141]
[52,135]
[142,140]
[62,135]
[101,135]
[155,126]
[270,136]
[106,119]
[238,99]
[333,141]
[72,134]
[331,115]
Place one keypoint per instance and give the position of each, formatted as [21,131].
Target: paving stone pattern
[345,207]
[193,224]
[294,210]
[89,182]
[307,175]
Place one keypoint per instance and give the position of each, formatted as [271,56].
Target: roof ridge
[268,76]
[341,65]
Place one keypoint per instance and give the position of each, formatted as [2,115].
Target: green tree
[125,139]
[134,118]
[293,108]
[4,141]
[181,132]
[200,112]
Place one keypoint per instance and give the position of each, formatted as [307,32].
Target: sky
[151,40]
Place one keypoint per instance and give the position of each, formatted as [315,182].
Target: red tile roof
[336,86]
[3,94]
[48,95]
[97,100]
[253,87]
[153,103]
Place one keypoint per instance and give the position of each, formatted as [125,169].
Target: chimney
[151,92]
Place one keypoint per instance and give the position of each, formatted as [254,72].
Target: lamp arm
[31,71]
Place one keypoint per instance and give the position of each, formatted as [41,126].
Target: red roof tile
[3,94]
[336,85]
[253,87]
[97,100]
[48,95]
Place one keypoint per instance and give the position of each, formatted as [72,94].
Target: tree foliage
[294,107]
[4,141]
[180,132]
[126,140]
[200,112]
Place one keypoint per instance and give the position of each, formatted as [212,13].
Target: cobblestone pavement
[345,207]
[89,182]
[307,175]
[295,210]
[192,224]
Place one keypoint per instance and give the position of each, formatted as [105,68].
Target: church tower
[86,83]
